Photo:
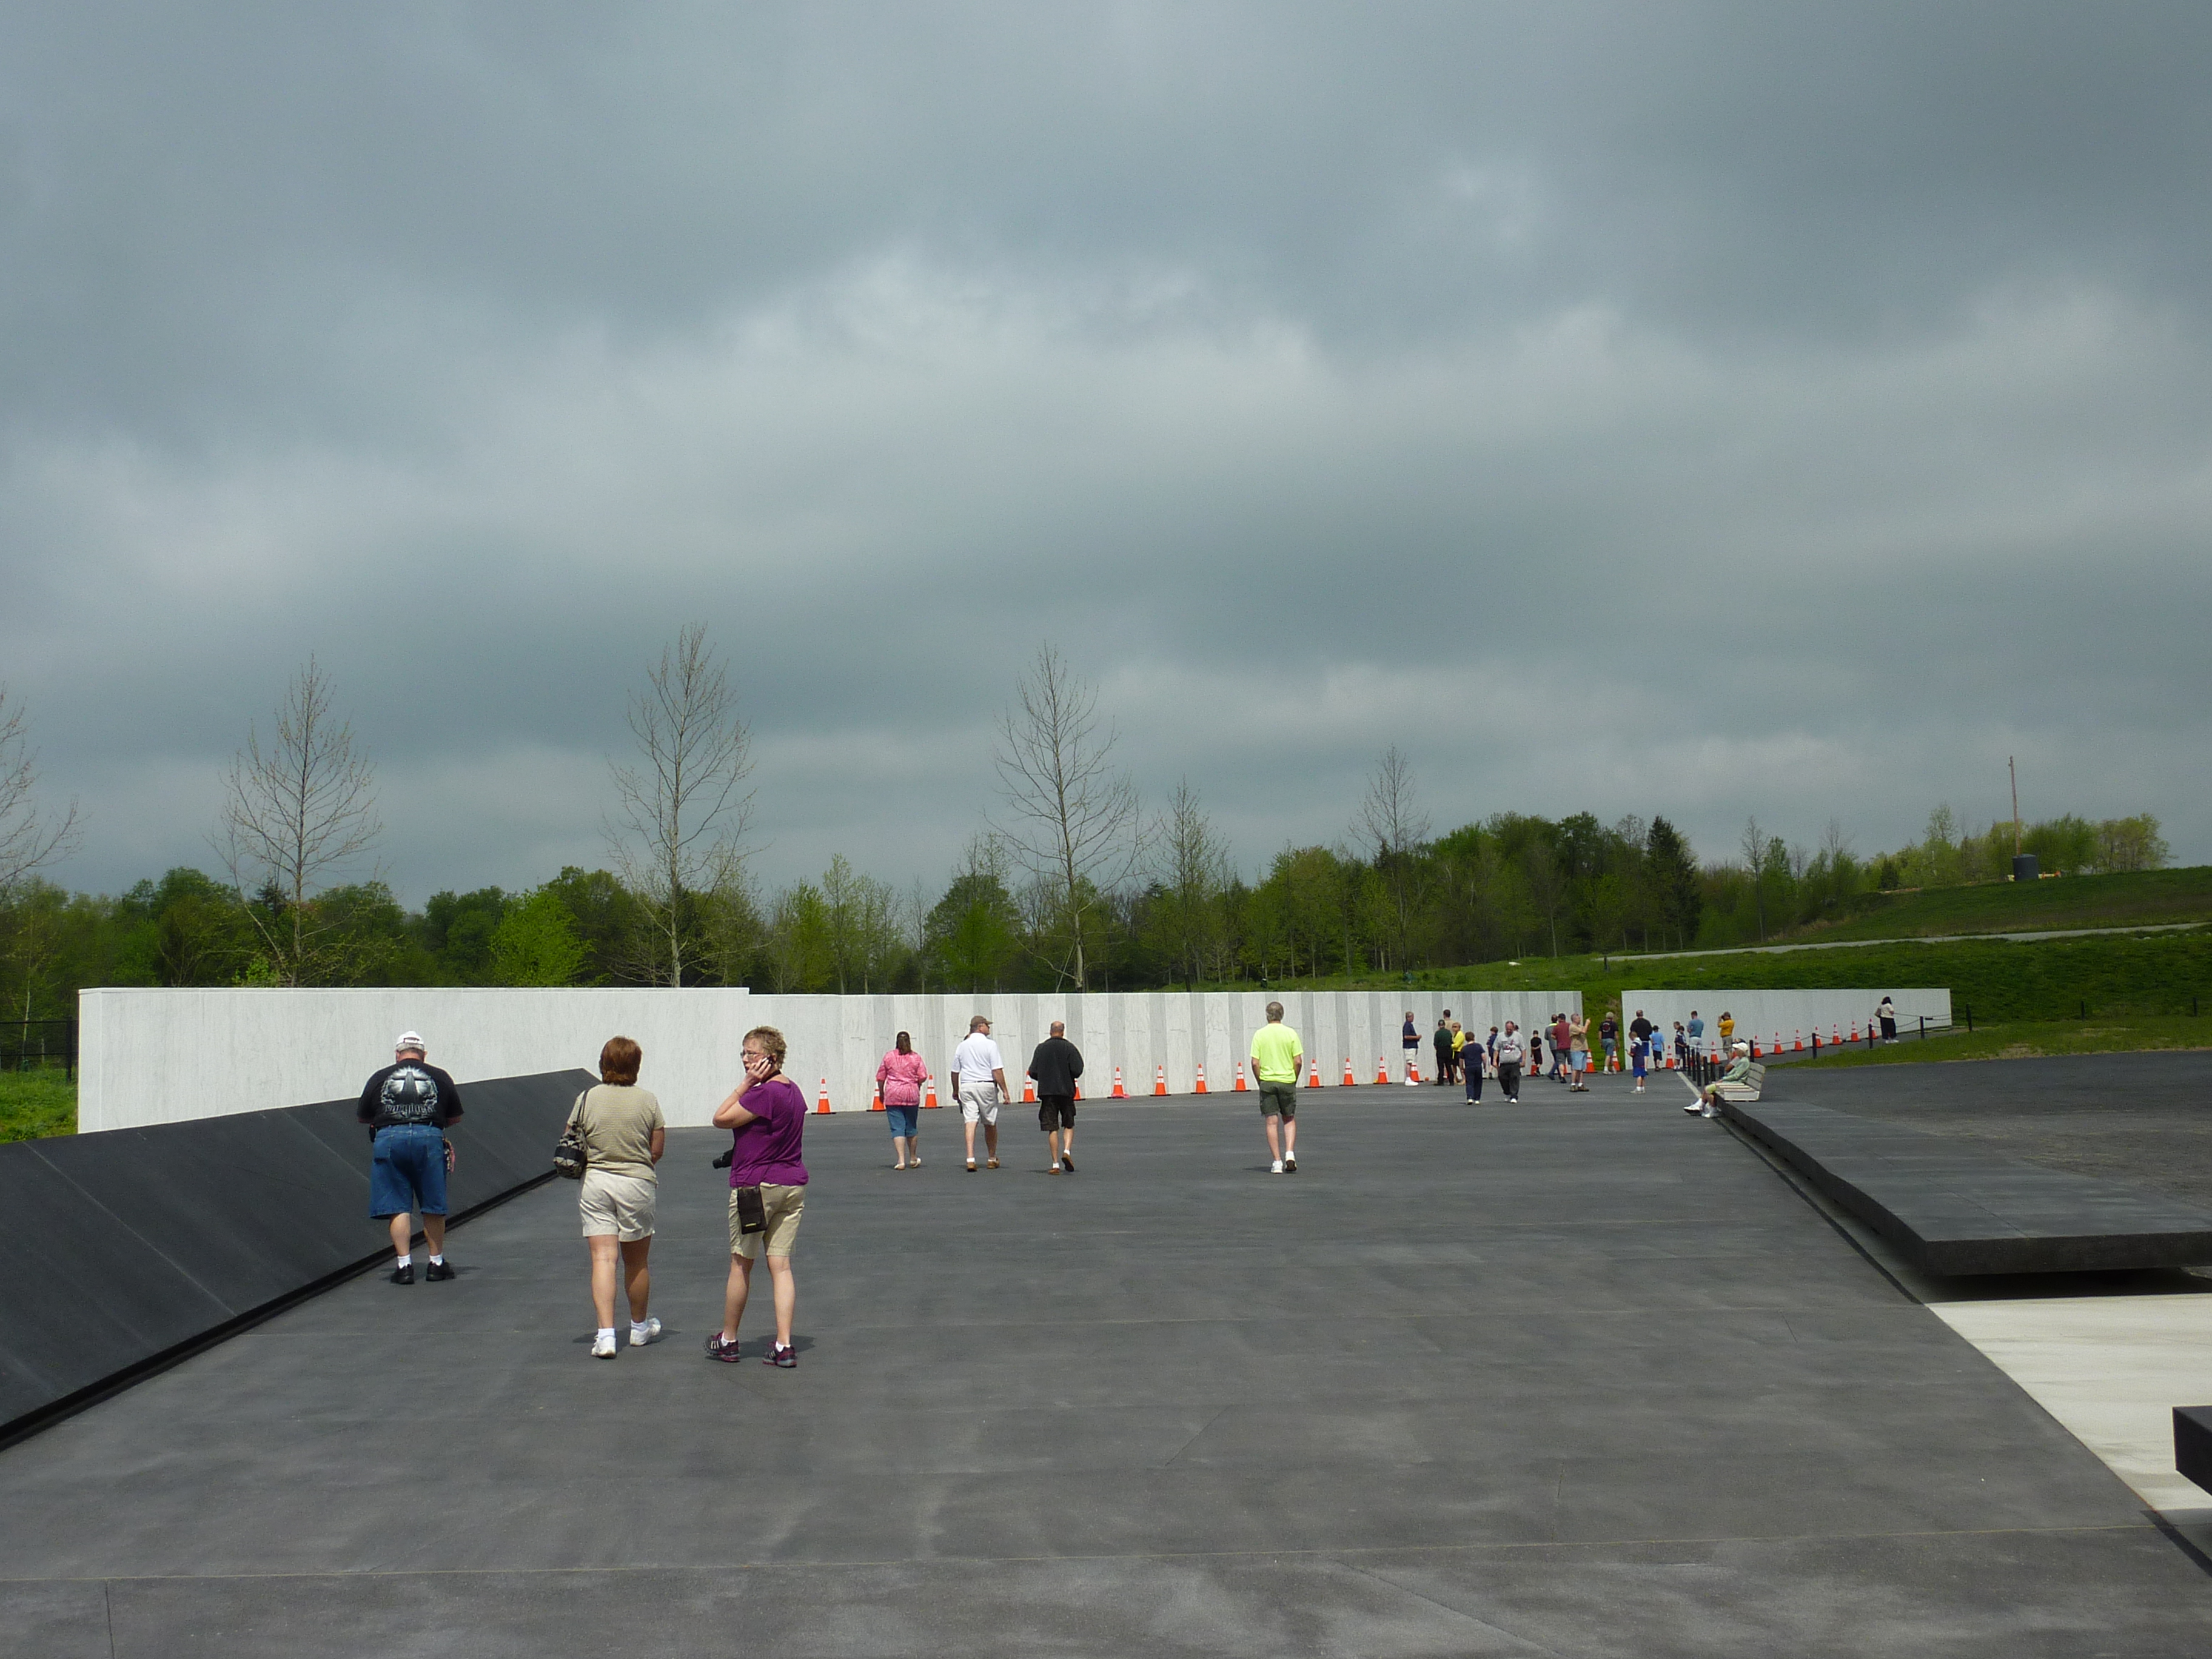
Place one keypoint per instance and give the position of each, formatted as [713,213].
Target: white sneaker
[642,1334]
[603,1346]
[1276,1168]
[1694,1107]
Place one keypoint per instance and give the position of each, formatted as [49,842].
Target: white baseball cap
[1742,1048]
[410,1040]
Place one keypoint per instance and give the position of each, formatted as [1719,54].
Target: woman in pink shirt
[899,1076]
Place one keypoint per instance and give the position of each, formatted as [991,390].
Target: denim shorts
[407,1172]
[906,1120]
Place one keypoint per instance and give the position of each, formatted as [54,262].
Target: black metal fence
[33,1044]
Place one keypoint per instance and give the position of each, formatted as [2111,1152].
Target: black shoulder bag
[569,1158]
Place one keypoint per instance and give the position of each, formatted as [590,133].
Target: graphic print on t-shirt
[410,1095]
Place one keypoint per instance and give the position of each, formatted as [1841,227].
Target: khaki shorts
[611,1201]
[783,1204]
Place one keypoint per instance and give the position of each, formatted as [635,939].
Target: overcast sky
[1696,409]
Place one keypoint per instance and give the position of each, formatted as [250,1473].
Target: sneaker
[725,1351]
[642,1334]
[1694,1107]
[603,1346]
[783,1358]
[989,1163]
[1276,1168]
[403,1275]
[1068,1162]
[1289,1163]
[439,1271]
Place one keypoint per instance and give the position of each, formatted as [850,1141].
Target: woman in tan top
[624,1137]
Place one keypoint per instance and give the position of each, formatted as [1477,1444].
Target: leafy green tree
[536,943]
[458,929]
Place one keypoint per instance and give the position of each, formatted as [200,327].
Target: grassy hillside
[2120,901]
[2150,974]
[2027,1041]
[36,1103]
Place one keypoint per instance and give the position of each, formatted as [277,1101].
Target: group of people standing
[410,1104]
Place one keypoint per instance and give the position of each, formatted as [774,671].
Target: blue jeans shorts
[407,1172]
[905,1120]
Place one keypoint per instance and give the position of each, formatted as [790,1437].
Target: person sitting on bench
[1708,1100]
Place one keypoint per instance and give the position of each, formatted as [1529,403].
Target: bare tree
[294,813]
[29,841]
[682,812]
[1074,823]
[1392,821]
[1192,870]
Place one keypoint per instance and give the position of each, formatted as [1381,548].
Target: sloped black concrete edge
[2002,1248]
[138,1248]
[2192,1443]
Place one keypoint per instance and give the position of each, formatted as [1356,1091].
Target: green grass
[2144,897]
[2026,1040]
[33,1104]
[2104,976]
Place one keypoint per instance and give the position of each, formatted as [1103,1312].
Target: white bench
[1748,1090]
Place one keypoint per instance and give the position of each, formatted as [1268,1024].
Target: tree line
[1072,883]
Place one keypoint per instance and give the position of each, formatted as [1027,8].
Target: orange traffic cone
[1835,1032]
[1160,1080]
[1798,1047]
[1029,1091]
[1313,1074]
[877,1105]
[1201,1078]
[1347,1072]
[1382,1068]
[1412,1072]
[929,1101]
[1240,1089]
[1120,1093]
[822,1100]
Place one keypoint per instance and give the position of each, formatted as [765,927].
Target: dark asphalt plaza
[1582,1378]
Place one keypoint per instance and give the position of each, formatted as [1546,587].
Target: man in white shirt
[980,1072]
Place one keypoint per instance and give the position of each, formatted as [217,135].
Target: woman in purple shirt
[767,1115]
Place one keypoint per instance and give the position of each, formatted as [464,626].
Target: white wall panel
[1788,1014]
[155,1056]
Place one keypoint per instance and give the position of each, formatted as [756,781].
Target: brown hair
[770,1040]
[619,1061]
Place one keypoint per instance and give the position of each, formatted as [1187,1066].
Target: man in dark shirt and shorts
[407,1107]
[1053,1067]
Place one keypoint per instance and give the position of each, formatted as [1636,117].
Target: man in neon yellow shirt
[1275,1057]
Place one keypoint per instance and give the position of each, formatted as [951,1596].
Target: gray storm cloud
[1642,408]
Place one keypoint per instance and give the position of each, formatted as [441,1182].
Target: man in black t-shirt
[1053,1068]
[407,1107]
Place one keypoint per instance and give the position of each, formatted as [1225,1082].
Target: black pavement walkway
[1583,1377]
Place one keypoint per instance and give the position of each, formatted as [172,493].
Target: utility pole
[2013,771]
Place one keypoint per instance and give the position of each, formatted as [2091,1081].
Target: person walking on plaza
[1608,1035]
[1535,1049]
[623,1135]
[1578,1055]
[1886,1013]
[1275,1056]
[1409,1039]
[408,1107]
[1562,1040]
[1639,1053]
[766,1116]
[900,1075]
[979,1074]
[1470,1069]
[1441,1042]
[1054,1066]
[1681,1045]
[1642,1030]
[1509,1064]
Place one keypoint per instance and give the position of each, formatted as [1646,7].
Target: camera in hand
[723,1162]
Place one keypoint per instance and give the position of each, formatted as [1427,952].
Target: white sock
[439,1261]
[607,1332]
[637,1328]
[403,1261]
